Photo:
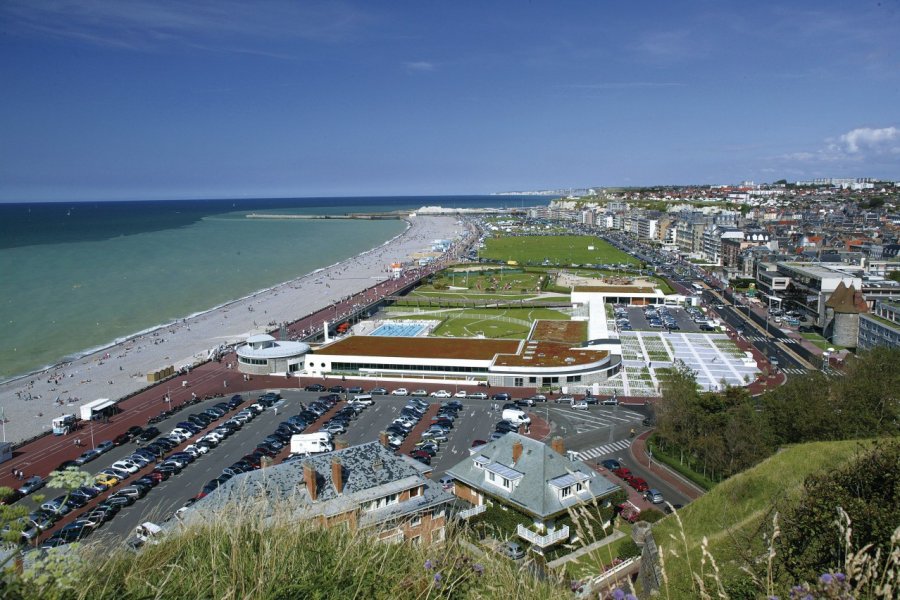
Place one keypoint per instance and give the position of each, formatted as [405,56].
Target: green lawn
[490,283]
[557,249]
[821,342]
[469,323]
[738,508]
[591,563]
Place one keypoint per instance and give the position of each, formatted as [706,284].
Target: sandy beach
[30,403]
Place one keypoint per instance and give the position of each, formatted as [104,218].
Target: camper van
[311,443]
[64,424]
[515,416]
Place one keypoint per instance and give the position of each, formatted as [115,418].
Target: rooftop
[539,465]
[572,332]
[614,289]
[550,354]
[421,347]
[370,471]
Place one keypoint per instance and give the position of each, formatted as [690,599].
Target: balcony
[471,512]
[543,541]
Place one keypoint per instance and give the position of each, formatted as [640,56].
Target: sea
[78,276]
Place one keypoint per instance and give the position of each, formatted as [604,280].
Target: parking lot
[585,430]
[683,321]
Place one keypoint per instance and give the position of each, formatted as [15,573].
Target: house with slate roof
[365,487]
[534,479]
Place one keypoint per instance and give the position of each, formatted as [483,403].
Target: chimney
[337,475]
[309,476]
[517,451]
[558,446]
[340,444]
[383,438]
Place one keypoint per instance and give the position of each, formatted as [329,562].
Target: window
[565,492]
[518,381]
[415,492]
[415,521]
[416,540]
[437,535]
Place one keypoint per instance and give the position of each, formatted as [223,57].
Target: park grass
[737,512]
[469,323]
[557,249]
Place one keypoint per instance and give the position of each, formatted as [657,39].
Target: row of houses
[371,489]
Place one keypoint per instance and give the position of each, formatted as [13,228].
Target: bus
[698,286]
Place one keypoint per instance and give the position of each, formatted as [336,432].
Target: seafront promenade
[30,403]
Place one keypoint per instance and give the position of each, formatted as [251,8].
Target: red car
[638,484]
[623,473]
[420,454]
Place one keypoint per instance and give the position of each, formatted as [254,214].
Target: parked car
[478,396]
[441,394]
[639,484]
[580,405]
[400,392]
[611,464]
[315,387]
[87,456]
[654,495]
[32,484]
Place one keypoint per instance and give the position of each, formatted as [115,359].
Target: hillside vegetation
[736,515]
[252,559]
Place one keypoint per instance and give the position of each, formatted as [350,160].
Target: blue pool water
[399,329]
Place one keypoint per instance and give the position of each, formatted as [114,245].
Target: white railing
[471,512]
[543,541]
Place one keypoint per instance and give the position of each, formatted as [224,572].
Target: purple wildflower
[840,577]
[826,578]
[478,568]
[437,577]
[618,594]
[428,565]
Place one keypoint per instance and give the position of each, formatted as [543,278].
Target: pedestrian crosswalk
[795,371]
[603,450]
[584,421]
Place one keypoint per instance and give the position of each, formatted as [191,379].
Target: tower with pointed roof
[842,312]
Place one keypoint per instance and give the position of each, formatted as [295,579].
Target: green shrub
[628,549]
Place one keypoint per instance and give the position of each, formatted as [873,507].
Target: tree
[867,489]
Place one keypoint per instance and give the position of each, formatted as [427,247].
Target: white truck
[89,409]
[311,443]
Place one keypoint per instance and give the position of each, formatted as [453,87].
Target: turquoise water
[76,276]
[63,298]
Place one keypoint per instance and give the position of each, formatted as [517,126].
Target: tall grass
[247,556]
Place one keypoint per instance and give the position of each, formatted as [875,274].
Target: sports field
[555,250]
[510,323]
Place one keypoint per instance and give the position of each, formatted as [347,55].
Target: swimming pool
[399,329]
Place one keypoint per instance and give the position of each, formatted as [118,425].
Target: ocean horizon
[80,276]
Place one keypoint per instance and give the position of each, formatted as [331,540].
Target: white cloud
[420,66]
[867,138]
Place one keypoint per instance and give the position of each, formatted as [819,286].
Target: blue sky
[118,99]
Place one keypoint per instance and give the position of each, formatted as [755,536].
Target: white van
[311,443]
[515,416]
[364,399]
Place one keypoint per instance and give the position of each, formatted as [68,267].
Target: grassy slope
[739,509]
[562,249]
[252,560]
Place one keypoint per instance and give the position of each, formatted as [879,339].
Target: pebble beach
[29,403]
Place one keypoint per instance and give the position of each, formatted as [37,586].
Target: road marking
[604,449]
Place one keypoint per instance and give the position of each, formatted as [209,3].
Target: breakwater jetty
[363,216]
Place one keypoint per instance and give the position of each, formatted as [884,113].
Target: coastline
[69,359]
[30,401]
